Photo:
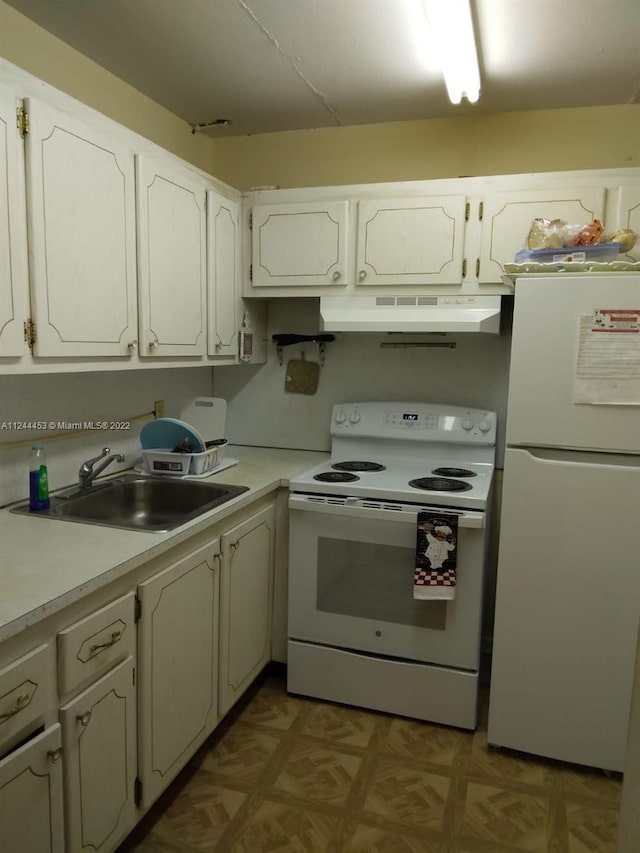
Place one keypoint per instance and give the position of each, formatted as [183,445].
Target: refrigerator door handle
[579,457]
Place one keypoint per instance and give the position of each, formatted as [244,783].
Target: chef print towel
[436,556]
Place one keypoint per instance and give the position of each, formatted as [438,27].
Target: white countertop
[47,564]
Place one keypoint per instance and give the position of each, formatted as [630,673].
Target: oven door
[351,565]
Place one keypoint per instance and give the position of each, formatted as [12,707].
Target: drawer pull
[84,719]
[55,755]
[115,636]
[21,702]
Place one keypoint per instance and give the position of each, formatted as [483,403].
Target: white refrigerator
[568,582]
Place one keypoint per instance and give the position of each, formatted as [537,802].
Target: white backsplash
[79,397]
[261,412]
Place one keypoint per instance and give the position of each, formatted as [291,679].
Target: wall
[261,412]
[78,397]
[505,143]
[32,48]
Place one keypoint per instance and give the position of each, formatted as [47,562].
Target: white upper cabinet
[82,242]
[301,244]
[507,218]
[14,285]
[171,258]
[628,216]
[223,271]
[410,241]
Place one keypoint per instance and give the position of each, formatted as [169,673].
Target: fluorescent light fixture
[452,37]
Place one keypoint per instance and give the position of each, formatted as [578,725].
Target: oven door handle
[405,514]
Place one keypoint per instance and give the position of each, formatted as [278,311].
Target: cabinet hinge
[251,222]
[137,791]
[481,211]
[22,121]
[467,211]
[137,610]
[251,272]
[30,335]
[477,267]
[464,267]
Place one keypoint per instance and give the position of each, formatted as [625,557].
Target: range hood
[451,313]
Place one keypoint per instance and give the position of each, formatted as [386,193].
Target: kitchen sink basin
[138,503]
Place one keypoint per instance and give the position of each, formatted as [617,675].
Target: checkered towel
[436,556]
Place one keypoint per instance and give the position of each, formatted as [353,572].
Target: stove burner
[335,477]
[453,472]
[439,484]
[358,466]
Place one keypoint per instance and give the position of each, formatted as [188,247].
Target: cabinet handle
[21,702]
[55,755]
[362,275]
[336,275]
[84,719]
[115,636]
[154,344]
[132,346]
[235,545]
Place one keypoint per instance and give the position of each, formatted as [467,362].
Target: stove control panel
[414,421]
[410,420]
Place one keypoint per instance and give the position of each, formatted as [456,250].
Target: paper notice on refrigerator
[608,363]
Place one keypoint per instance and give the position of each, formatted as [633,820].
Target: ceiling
[273,65]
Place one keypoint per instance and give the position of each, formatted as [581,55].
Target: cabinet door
[31,796]
[411,241]
[223,268]
[507,218]
[14,284]
[99,739]
[178,666]
[628,216]
[245,604]
[82,241]
[171,258]
[300,244]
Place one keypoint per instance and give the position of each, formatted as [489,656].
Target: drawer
[23,695]
[90,647]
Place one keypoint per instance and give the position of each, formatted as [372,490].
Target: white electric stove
[356,634]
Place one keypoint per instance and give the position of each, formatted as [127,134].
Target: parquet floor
[286,774]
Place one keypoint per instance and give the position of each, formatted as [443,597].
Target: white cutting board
[207,415]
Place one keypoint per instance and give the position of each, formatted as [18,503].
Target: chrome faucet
[87,473]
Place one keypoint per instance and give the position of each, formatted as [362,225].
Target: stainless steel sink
[138,503]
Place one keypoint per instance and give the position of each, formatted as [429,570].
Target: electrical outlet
[158,408]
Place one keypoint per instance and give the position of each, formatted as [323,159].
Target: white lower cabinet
[178,666]
[245,604]
[141,685]
[99,741]
[31,817]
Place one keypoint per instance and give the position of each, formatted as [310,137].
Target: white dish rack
[165,461]
[207,416]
